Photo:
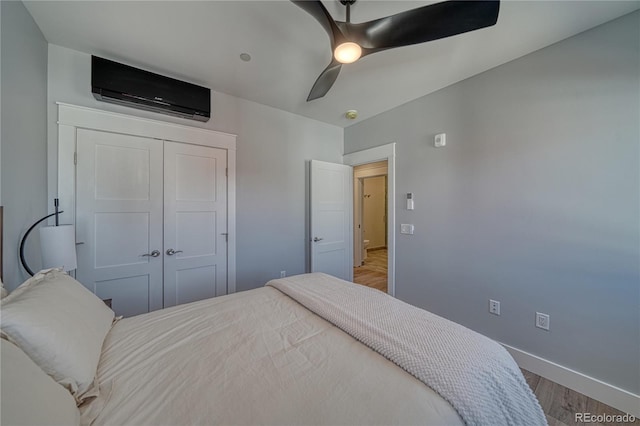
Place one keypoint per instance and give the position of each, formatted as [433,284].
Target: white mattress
[254,357]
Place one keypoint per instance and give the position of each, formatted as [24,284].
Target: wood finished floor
[374,271]
[560,404]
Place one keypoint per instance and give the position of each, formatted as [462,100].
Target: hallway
[374,271]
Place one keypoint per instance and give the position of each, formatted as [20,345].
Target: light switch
[406,228]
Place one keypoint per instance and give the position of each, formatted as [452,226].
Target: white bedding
[254,357]
[474,373]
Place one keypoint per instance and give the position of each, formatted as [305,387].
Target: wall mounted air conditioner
[121,84]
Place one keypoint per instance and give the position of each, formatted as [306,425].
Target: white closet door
[119,219]
[195,216]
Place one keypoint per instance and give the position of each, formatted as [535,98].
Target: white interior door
[195,230]
[332,219]
[119,219]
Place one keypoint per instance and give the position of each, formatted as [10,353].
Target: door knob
[154,253]
[316,239]
[171,251]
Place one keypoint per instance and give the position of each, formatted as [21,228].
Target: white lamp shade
[58,245]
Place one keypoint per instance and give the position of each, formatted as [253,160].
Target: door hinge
[226,236]
[75,158]
[226,172]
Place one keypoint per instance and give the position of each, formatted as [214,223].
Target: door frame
[71,117]
[358,207]
[372,155]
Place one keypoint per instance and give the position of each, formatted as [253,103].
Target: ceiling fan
[350,42]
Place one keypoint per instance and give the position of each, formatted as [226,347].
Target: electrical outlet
[283,274]
[494,307]
[542,321]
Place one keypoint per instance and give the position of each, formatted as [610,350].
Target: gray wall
[534,201]
[24,134]
[273,147]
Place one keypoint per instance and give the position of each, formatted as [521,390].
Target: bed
[310,349]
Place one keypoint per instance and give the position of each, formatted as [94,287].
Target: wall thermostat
[440,140]
[409,200]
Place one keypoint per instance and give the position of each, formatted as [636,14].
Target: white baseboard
[613,396]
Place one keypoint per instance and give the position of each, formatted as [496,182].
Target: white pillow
[61,325]
[29,396]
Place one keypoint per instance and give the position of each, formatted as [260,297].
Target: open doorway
[367,156]
[371,225]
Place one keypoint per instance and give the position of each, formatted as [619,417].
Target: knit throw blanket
[476,375]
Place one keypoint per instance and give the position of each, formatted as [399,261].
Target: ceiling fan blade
[423,24]
[316,9]
[325,81]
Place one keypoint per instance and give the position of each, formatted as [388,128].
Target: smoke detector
[352,114]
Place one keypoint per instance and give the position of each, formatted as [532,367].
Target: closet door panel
[119,219]
[195,200]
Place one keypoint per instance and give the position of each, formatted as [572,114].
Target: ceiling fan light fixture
[347,52]
[420,25]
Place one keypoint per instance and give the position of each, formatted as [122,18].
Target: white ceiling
[201,42]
